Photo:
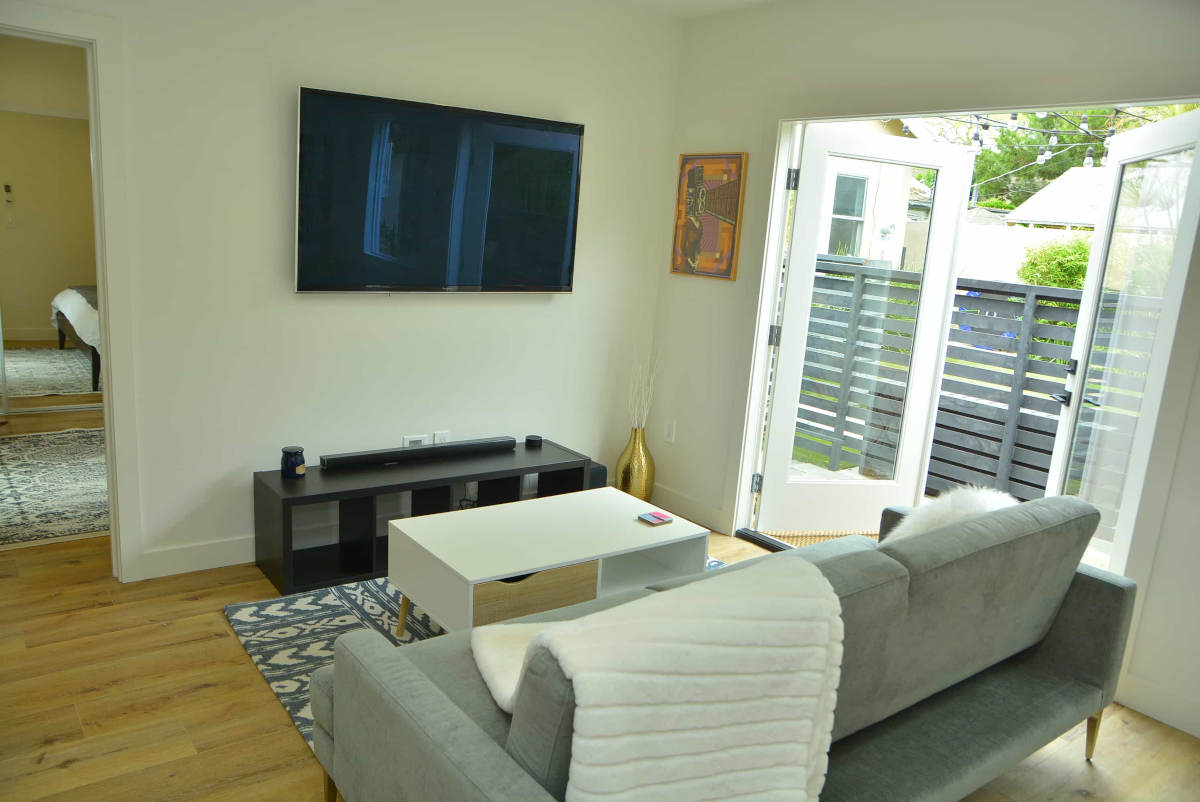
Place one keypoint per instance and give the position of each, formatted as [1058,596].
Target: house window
[846,227]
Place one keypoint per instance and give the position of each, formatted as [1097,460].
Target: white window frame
[861,219]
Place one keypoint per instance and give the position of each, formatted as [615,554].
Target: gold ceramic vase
[635,466]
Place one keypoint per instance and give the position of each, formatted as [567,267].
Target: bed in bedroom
[75,313]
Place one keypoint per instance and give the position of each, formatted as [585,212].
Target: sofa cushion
[449,664]
[978,592]
[955,741]
[544,718]
[873,590]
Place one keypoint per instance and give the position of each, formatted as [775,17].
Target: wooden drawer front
[545,590]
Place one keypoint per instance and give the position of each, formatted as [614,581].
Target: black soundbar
[388,456]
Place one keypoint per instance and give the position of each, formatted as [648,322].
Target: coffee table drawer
[545,590]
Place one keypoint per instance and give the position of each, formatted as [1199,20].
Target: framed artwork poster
[708,214]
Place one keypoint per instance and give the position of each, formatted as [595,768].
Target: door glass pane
[862,322]
[1136,269]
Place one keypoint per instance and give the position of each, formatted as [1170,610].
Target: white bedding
[84,319]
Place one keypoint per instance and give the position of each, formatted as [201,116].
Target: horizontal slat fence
[1007,352]
[856,362]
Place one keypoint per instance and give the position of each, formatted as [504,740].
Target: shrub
[1062,263]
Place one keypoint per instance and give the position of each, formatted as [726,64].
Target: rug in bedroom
[52,484]
[290,637]
[47,371]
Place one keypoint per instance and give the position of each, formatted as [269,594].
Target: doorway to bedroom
[53,472]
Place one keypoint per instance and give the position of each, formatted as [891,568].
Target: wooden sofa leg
[1093,731]
[331,791]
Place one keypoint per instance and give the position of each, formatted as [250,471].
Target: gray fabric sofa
[966,649]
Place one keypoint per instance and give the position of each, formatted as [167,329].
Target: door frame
[787,144]
[101,37]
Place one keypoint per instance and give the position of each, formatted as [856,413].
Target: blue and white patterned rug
[52,484]
[290,637]
[47,371]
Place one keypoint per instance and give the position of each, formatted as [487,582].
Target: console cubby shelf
[358,553]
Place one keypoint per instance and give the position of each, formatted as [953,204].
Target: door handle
[1065,396]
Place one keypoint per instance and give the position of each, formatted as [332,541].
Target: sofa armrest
[397,736]
[890,518]
[1087,638]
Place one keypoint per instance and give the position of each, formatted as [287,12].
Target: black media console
[360,554]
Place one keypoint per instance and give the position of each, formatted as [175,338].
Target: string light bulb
[1041,157]
[976,143]
[1041,115]
[1012,122]
[1053,140]
[1089,158]
[1083,123]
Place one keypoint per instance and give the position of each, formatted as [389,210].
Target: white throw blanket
[720,689]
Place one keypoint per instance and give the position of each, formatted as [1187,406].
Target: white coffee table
[574,547]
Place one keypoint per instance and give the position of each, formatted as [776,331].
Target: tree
[994,176]
[1061,263]
[1007,170]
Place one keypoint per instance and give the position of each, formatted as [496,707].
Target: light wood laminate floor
[141,691]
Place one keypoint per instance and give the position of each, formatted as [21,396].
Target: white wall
[231,364]
[38,77]
[46,241]
[806,60]
[784,61]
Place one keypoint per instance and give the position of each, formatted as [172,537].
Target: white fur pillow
[952,505]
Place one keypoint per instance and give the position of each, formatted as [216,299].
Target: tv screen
[397,196]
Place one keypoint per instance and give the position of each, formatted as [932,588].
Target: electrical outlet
[669,433]
[415,440]
[442,436]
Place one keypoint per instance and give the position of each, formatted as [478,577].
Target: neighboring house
[1074,200]
[994,244]
[875,211]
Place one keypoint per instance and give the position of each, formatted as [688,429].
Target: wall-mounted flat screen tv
[397,196]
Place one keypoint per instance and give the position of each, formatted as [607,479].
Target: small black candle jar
[292,463]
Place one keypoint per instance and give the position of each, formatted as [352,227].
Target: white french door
[1127,321]
[866,308]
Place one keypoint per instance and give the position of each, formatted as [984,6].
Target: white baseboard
[192,557]
[48,333]
[694,509]
[1157,702]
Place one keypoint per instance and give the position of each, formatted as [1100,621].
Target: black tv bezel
[388,289]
